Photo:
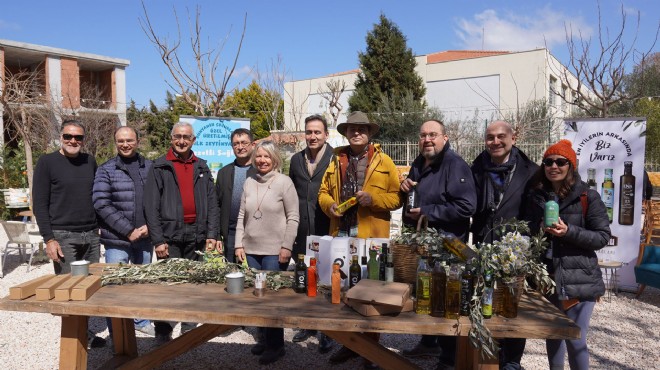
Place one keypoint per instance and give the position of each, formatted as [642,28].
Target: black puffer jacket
[574,259]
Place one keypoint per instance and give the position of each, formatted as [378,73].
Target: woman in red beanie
[583,228]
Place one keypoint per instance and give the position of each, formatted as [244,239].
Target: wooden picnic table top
[210,303]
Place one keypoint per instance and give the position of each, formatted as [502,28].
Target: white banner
[610,153]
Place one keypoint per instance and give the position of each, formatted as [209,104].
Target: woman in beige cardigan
[266,229]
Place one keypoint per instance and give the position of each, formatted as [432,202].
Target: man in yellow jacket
[363,171]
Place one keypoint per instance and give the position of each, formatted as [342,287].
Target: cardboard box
[366,309]
[380,292]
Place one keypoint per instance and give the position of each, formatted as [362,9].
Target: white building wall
[495,86]
[120,81]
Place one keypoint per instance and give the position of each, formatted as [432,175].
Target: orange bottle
[336,284]
[311,278]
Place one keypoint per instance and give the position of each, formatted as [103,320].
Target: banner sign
[213,142]
[610,153]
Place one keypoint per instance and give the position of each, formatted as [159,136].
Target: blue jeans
[139,253]
[76,246]
[578,352]
[274,336]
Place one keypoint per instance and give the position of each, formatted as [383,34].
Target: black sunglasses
[561,162]
[69,137]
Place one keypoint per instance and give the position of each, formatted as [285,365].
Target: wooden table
[220,312]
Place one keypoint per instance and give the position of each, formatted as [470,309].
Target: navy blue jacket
[163,207]
[513,201]
[574,260]
[114,200]
[447,195]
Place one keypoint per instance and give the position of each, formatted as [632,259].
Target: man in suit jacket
[229,186]
[306,171]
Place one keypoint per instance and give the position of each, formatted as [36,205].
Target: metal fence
[403,153]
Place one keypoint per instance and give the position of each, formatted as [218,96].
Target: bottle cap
[301,257]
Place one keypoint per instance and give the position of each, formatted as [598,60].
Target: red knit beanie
[563,148]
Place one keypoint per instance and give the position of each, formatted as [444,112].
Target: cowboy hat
[358,118]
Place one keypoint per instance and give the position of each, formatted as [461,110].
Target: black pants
[185,248]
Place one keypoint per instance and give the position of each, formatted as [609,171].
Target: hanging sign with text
[610,153]
[213,139]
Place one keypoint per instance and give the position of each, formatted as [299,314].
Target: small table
[610,269]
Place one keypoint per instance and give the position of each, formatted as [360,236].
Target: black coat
[312,219]
[446,192]
[513,201]
[163,207]
[574,259]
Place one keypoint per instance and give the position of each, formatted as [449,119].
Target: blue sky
[312,38]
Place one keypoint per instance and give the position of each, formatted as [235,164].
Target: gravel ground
[623,335]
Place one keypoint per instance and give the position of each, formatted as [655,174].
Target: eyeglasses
[241,144]
[561,162]
[68,137]
[430,135]
[184,137]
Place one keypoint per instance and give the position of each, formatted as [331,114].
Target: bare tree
[271,79]
[25,103]
[200,85]
[298,108]
[332,93]
[599,68]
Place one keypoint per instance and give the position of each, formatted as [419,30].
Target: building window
[551,91]
[564,98]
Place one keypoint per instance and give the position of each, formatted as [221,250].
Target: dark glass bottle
[627,195]
[354,272]
[413,198]
[300,285]
[467,289]
[382,262]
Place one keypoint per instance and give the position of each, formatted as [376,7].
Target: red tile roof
[450,55]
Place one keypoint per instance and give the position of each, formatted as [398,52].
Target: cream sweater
[275,225]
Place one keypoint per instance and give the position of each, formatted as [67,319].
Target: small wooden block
[84,289]
[28,288]
[63,292]
[46,290]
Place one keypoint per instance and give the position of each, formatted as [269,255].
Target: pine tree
[387,71]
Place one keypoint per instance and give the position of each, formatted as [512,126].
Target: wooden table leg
[176,347]
[73,343]
[371,350]
[468,357]
[123,336]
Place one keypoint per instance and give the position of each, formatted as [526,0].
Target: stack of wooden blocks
[59,288]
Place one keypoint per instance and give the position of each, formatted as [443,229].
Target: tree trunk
[29,166]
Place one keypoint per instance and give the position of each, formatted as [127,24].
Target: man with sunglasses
[501,174]
[62,192]
[180,207]
[229,186]
[447,198]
